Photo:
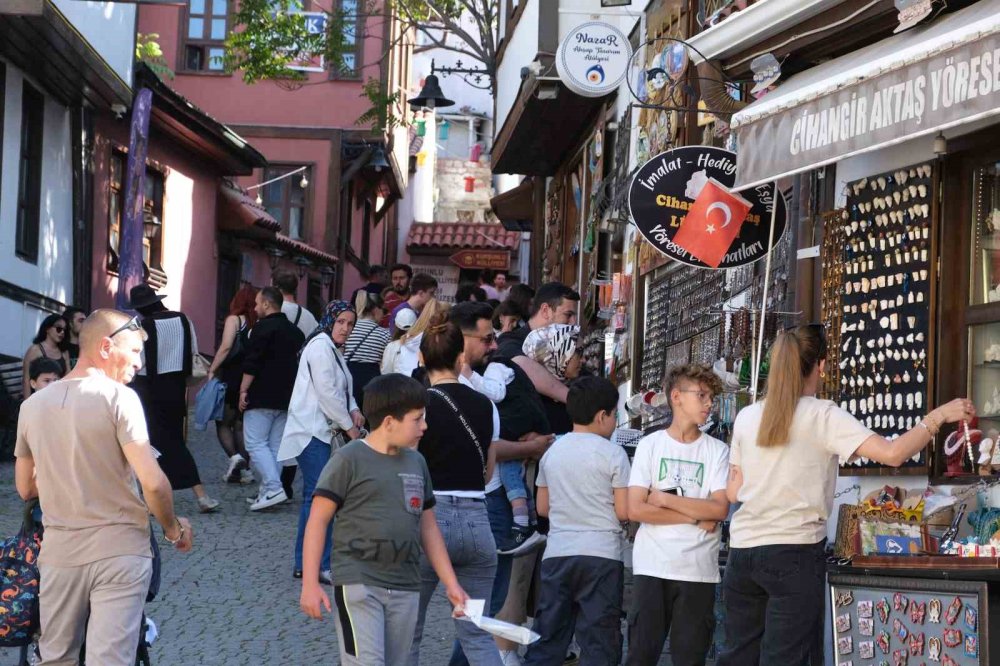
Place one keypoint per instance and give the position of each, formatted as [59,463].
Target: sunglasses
[131,325]
[60,329]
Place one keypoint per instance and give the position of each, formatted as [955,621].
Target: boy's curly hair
[693,372]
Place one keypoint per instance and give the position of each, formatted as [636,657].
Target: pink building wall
[189,246]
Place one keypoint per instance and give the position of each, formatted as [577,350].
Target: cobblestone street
[232,600]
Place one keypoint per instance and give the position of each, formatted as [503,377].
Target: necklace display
[877,276]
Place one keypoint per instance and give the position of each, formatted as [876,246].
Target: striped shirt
[366,342]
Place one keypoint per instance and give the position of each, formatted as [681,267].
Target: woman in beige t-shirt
[783,469]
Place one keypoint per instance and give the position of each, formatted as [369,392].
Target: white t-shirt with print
[679,552]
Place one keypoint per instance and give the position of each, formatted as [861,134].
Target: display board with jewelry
[886,306]
[832,288]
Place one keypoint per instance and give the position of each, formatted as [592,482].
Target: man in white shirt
[677,492]
[288,284]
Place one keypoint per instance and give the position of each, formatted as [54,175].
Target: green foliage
[147,50]
[378,117]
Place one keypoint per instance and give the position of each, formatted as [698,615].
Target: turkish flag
[713,223]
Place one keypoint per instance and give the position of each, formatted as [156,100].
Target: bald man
[81,446]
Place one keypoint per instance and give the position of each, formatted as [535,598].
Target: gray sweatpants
[374,624]
[110,593]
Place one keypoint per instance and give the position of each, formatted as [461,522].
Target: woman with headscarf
[322,414]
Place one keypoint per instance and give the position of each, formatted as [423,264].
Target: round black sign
[725,230]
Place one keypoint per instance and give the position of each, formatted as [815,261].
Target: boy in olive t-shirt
[380,490]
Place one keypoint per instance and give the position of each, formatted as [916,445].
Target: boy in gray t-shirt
[582,487]
[380,490]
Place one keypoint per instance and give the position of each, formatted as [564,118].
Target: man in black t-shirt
[554,303]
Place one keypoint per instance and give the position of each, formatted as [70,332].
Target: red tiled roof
[446,235]
[239,211]
[298,247]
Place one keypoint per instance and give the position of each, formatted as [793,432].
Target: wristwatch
[174,542]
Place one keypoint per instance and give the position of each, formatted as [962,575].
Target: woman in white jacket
[322,413]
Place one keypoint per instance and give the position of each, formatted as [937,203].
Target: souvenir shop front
[905,272]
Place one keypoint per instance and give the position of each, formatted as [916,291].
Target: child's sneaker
[522,539]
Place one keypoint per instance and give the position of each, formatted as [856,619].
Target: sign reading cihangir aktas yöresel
[681,202]
[593,59]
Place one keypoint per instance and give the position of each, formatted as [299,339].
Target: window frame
[359,23]
[205,44]
[152,248]
[31,149]
[275,169]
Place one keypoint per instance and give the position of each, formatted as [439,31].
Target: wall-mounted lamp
[274,255]
[304,182]
[303,265]
[326,274]
[940,145]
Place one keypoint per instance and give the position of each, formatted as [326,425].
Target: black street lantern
[430,96]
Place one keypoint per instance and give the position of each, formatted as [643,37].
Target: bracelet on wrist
[932,431]
[174,542]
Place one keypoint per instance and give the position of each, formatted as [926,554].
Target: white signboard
[593,59]
[446,276]
[315,25]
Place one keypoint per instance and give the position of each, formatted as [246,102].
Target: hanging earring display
[877,275]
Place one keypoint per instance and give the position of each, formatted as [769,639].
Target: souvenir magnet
[883,641]
[971,617]
[934,649]
[843,623]
[971,646]
[866,627]
[952,637]
[882,608]
[917,644]
[845,645]
[934,605]
[866,649]
[953,610]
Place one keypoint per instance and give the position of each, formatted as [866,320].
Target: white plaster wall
[521,50]
[52,275]
[109,27]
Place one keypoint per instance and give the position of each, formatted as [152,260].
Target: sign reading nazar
[681,203]
[593,59]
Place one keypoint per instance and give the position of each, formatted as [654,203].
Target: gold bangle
[923,424]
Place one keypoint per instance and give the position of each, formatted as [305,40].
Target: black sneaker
[522,539]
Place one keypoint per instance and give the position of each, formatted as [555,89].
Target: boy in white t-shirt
[677,491]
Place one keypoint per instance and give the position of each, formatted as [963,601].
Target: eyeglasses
[131,325]
[704,396]
[488,339]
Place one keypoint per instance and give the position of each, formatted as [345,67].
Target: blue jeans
[465,526]
[775,599]
[512,480]
[501,522]
[311,461]
[262,431]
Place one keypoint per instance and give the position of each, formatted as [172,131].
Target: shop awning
[515,208]
[919,82]
[295,247]
[239,213]
[547,121]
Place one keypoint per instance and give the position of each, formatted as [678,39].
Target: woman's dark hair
[520,296]
[506,309]
[442,344]
[365,302]
[48,323]
[392,395]
[469,290]
[589,395]
[794,355]
[43,365]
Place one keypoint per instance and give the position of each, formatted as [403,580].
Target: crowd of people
[465,445]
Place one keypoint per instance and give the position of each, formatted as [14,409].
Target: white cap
[405,318]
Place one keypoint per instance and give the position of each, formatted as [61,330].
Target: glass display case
[985,287]
[984,373]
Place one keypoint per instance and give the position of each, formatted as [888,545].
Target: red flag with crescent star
[713,223]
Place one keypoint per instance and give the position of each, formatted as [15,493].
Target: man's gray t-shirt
[581,471]
[380,498]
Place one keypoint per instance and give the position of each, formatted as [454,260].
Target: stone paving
[232,600]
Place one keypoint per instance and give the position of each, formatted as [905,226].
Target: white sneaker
[236,461]
[533,542]
[509,658]
[267,500]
